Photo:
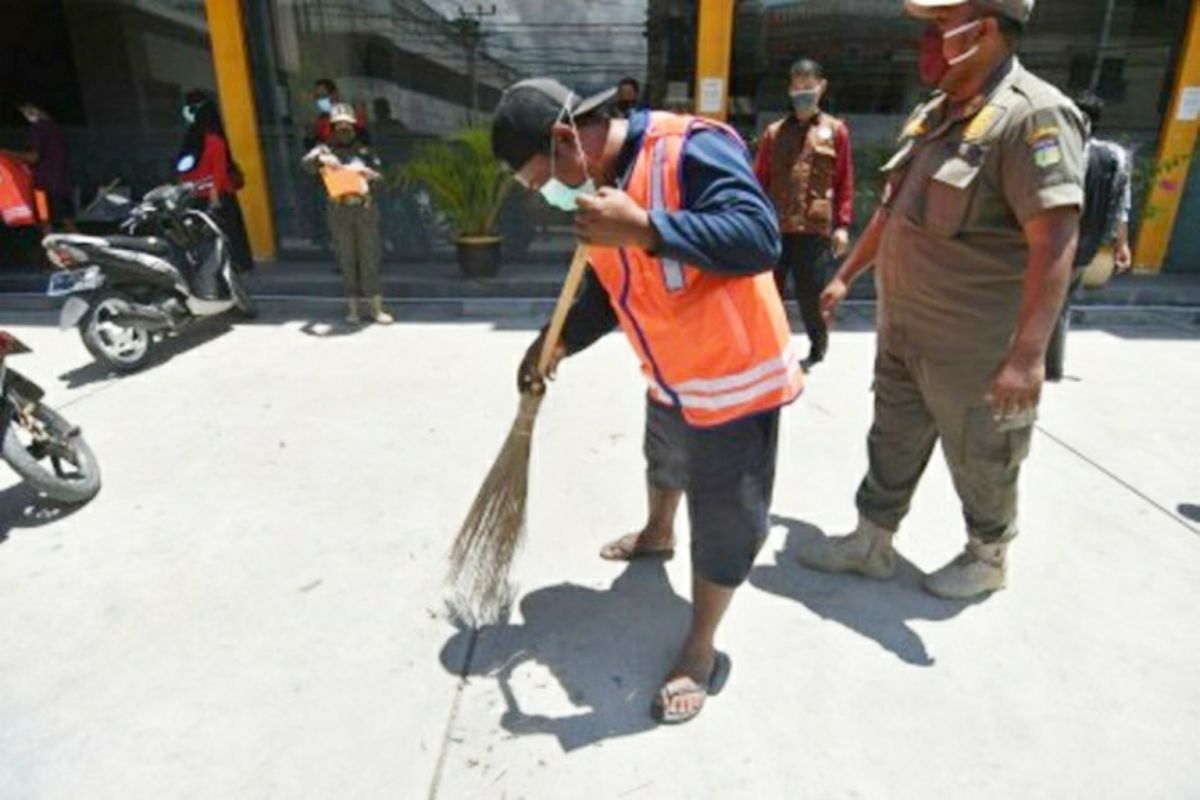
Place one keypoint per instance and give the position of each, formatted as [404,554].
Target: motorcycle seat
[151,245]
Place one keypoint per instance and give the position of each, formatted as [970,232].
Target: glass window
[113,74]
[418,73]
[1122,49]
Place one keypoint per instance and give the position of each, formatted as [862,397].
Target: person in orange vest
[683,242]
[806,166]
[49,157]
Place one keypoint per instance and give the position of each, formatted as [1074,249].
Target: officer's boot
[977,570]
[867,551]
[381,317]
[352,311]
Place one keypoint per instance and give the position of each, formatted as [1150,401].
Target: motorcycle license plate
[85,280]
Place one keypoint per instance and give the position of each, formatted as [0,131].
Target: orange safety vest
[718,347]
[17,206]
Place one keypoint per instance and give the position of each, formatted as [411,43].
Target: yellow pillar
[1174,156]
[231,62]
[714,44]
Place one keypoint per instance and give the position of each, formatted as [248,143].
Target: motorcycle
[168,268]
[37,442]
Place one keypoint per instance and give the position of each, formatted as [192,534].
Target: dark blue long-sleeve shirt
[727,225]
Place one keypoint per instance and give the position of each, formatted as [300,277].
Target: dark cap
[528,110]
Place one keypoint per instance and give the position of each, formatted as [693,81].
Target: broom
[484,548]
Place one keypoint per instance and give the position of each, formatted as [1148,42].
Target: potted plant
[469,187]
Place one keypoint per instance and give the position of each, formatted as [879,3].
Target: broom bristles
[483,551]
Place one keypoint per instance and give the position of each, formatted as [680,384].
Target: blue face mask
[557,193]
[805,101]
[324,105]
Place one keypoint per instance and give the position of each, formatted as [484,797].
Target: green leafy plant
[466,183]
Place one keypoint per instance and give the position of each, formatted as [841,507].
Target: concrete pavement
[252,606]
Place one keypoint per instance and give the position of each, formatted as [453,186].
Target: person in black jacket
[1107,201]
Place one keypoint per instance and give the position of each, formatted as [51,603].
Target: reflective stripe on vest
[672,269]
[716,346]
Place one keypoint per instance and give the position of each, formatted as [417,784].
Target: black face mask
[626,105]
[344,137]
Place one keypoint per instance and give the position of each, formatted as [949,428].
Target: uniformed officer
[972,248]
[353,217]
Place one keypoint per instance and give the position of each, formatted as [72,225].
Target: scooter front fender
[73,312]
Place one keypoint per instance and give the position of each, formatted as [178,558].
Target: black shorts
[728,475]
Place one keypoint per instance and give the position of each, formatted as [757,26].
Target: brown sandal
[627,549]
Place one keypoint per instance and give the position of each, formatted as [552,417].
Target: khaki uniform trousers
[355,232]
[918,402]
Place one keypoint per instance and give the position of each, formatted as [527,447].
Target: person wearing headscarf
[205,160]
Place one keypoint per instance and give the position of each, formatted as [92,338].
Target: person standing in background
[205,159]
[50,158]
[1107,193]
[353,214]
[629,98]
[806,166]
[325,97]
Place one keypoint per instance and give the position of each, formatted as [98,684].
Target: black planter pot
[479,256]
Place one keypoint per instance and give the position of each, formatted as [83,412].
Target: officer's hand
[840,242]
[528,379]
[1016,388]
[1123,258]
[832,297]
[611,218]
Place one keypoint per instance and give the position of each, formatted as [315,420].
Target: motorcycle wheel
[47,451]
[118,347]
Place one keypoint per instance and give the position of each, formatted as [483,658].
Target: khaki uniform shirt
[953,255]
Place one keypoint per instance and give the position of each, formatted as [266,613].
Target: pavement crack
[1118,479]
[108,384]
[447,737]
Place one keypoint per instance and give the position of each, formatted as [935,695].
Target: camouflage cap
[1018,10]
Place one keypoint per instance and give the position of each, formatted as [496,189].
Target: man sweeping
[683,243]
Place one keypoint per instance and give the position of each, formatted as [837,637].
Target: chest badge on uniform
[971,152]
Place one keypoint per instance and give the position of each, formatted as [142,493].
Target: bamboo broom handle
[565,298]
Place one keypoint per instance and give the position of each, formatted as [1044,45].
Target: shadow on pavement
[609,649]
[879,610]
[330,329]
[200,333]
[22,507]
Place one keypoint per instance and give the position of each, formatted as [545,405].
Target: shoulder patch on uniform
[982,123]
[1047,132]
[1047,152]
